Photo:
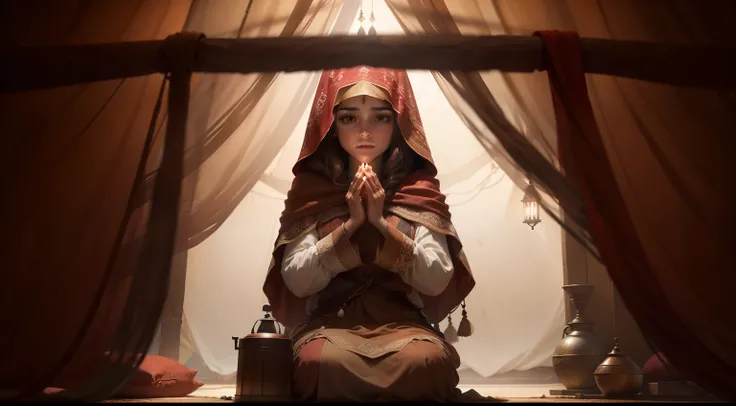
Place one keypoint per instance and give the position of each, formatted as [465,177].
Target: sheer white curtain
[225,272]
[248,119]
[517,305]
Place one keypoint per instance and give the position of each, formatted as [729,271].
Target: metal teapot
[265,359]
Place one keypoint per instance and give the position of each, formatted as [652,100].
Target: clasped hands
[365,200]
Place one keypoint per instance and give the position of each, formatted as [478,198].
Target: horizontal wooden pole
[37,67]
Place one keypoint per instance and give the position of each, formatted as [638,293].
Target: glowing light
[530,204]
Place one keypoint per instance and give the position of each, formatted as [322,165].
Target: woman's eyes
[384,118]
[347,119]
[381,118]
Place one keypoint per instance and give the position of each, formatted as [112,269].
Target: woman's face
[364,127]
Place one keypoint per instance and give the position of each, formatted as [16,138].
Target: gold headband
[361,88]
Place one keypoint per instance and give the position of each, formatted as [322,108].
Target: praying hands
[374,197]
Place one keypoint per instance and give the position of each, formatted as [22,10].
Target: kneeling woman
[367,261]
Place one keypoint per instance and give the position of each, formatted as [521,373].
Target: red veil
[313,198]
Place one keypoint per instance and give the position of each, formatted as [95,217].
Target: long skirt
[354,359]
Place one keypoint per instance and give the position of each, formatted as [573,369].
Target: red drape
[583,156]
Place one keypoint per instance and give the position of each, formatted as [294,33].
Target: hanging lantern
[531,206]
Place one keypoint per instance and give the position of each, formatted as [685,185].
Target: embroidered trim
[428,219]
[324,246]
[365,348]
[464,260]
[308,224]
[405,262]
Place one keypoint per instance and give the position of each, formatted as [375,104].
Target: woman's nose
[364,134]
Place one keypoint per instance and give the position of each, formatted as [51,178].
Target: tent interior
[72,170]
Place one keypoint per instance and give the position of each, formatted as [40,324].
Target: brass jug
[265,359]
[618,375]
[579,353]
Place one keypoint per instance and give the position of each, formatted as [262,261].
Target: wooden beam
[36,67]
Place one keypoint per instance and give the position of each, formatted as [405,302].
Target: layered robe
[362,311]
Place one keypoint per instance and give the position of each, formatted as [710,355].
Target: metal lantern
[531,206]
[265,358]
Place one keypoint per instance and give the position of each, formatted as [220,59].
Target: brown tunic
[366,341]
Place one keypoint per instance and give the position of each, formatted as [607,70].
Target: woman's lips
[364,146]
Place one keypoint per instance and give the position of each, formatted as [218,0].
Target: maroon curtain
[71,159]
[584,158]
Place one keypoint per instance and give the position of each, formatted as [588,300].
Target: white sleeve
[309,264]
[432,268]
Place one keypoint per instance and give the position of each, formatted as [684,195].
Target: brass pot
[618,375]
[579,352]
[576,357]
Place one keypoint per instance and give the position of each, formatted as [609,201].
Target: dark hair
[399,160]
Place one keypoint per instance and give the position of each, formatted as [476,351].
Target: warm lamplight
[530,203]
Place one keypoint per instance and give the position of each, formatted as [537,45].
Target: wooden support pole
[37,67]
[172,316]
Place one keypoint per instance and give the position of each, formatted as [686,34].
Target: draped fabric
[68,168]
[668,148]
[228,110]
[519,268]
[233,131]
[584,158]
[226,264]
[80,166]
[83,181]
[502,127]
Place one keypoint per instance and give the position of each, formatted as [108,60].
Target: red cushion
[655,371]
[159,376]
[52,390]
[161,389]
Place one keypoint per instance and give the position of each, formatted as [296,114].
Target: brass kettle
[579,353]
[618,375]
[265,359]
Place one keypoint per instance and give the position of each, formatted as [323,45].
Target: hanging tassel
[450,332]
[361,30]
[465,329]
[372,30]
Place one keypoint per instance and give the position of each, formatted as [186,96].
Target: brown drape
[224,107]
[669,150]
[584,157]
[228,148]
[68,166]
[524,156]
[71,155]
[79,238]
